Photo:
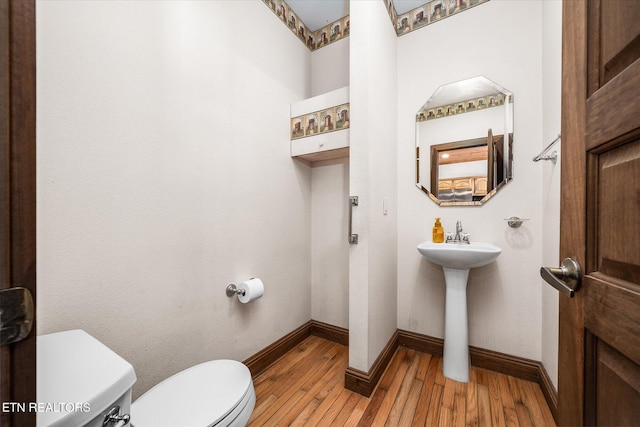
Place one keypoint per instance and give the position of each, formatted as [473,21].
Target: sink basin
[456,259]
[461,256]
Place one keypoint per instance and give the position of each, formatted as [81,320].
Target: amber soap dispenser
[438,232]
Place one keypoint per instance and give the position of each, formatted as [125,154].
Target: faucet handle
[466,237]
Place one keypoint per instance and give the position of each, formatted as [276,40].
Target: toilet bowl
[81,382]
[216,393]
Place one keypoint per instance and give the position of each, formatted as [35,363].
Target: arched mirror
[464,138]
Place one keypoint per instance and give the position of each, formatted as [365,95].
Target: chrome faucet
[459,237]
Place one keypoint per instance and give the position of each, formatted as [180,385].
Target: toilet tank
[79,380]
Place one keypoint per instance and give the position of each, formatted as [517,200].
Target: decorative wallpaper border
[429,13]
[461,107]
[312,39]
[318,122]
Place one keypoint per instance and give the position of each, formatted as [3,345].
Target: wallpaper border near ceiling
[429,13]
[328,34]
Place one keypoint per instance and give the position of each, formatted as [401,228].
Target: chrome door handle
[566,279]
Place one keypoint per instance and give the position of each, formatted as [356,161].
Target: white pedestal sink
[456,259]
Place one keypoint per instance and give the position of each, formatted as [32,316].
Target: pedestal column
[456,333]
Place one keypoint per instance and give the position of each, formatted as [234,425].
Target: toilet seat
[215,393]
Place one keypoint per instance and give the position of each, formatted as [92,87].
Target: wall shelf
[319,127]
[313,159]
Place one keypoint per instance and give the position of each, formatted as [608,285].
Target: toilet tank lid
[78,377]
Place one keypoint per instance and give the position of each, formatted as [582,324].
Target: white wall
[330,67]
[501,41]
[329,246]
[329,207]
[164,175]
[551,85]
[373,177]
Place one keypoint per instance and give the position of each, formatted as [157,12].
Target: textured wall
[373,177]
[329,248]
[330,67]
[329,208]
[501,41]
[164,175]
[551,86]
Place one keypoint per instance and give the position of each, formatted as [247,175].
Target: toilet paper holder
[232,290]
[247,291]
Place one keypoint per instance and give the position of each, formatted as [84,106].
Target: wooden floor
[306,387]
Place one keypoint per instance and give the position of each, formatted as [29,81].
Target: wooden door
[17,196]
[599,351]
[498,160]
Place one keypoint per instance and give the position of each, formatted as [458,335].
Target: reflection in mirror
[466,133]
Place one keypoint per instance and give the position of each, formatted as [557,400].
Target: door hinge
[16,315]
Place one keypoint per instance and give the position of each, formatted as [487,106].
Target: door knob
[566,279]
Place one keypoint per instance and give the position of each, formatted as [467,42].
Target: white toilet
[80,382]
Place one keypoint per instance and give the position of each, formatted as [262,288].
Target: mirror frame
[434,149]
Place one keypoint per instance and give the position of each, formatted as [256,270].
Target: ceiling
[318,13]
[404,6]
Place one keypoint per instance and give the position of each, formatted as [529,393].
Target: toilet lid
[198,396]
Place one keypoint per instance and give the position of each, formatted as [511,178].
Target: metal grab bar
[553,156]
[353,238]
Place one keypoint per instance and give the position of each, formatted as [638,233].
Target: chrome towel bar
[553,156]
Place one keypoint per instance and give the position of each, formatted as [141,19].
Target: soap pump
[438,232]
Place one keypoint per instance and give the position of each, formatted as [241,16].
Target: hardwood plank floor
[305,387]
